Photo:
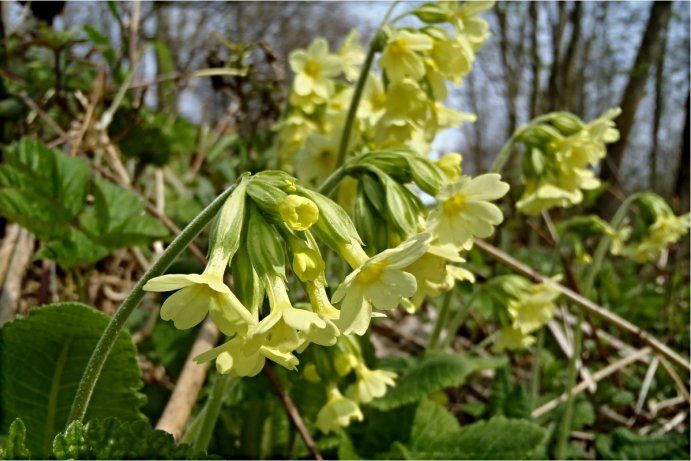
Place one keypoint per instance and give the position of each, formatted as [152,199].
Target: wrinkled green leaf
[42,359]
[497,438]
[624,444]
[434,372]
[112,439]
[42,189]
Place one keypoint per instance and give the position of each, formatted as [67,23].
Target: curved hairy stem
[117,322]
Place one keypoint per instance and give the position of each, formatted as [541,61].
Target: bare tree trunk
[657,116]
[510,80]
[558,27]
[651,45]
[534,14]
[566,95]
[682,185]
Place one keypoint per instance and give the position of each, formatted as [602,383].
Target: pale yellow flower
[338,412]
[451,165]
[533,309]
[379,282]
[463,18]
[238,357]
[453,58]
[371,384]
[435,274]
[401,57]
[373,103]
[287,327]
[512,338]
[352,55]
[314,69]
[197,295]
[317,159]
[464,210]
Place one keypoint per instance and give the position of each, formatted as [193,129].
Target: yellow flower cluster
[335,369]
[401,108]
[530,307]
[266,216]
[656,227]
[561,152]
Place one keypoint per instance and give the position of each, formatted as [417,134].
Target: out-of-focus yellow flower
[463,18]
[512,338]
[533,309]
[401,57]
[453,58]
[435,273]
[352,55]
[338,412]
[451,165]
[373,103]
[314,69]
[371,384]
[464,210]
[317,159]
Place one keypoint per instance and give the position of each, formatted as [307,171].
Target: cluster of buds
[561,152]
[270,216]
[529,307]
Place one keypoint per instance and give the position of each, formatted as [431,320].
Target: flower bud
[567,123]
[308,264]
[299,213]
[431,13]
[334,226]
[225,236]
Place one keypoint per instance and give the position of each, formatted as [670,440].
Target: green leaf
[506,399]
[73,249]
[434,372]
[42,189]
[112,439]
[624,444]
[16,442]
[433,425]
[42,359]
[117,218]
[497,438]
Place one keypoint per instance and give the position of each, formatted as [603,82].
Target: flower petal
[187,307]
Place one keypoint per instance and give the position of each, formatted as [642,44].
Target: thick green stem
[359,88]
[458,319]
[117,322]
[441,320]
[535,371]
[504,155]
[330,183]
[211,411]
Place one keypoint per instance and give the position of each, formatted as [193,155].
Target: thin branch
[597,376]
[292,411]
